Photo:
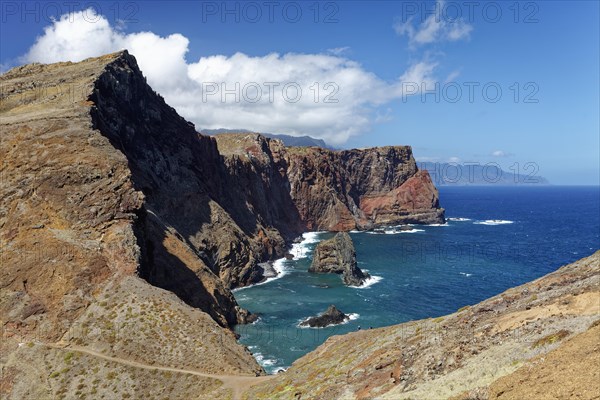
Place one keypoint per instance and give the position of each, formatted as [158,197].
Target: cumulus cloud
[323,95]
[80,35]
[436,27]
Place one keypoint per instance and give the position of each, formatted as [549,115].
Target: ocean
[495,238]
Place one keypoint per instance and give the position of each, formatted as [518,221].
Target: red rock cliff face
[350,189]
[319,189]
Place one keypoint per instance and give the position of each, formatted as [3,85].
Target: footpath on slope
[237,383]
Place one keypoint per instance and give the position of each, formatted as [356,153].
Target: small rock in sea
[332,316]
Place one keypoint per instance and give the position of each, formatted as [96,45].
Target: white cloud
[421,72]
[198,89]
[435,28]
[500,153]
[452,76]
[338,51]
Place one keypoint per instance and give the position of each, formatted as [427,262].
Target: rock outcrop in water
[337,256]
[331,316]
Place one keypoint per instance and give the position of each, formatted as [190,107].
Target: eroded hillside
[76,227]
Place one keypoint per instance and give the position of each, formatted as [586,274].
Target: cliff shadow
[165,268]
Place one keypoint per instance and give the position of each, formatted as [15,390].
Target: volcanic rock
[332,316]
[337,255]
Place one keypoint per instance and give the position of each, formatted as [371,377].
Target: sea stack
[337,255]
[332,316]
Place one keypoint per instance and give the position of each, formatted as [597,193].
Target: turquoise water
[496,238]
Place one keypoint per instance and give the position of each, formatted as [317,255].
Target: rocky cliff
[341,190]
[103,184]
[344,190]
[291,189]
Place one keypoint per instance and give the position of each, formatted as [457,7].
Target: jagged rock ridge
[81,219]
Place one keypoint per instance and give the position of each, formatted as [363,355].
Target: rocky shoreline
[531,341]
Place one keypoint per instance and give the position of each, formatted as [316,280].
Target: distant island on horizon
[479,174]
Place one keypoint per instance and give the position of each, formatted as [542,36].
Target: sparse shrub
[68,357]
[553,338]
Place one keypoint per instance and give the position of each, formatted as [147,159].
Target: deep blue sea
[496,238]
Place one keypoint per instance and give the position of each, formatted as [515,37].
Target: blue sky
[547,51]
